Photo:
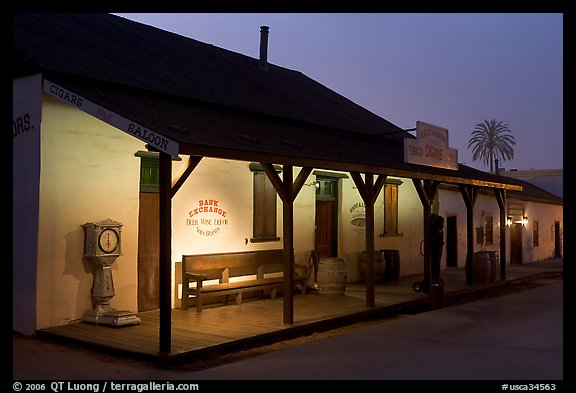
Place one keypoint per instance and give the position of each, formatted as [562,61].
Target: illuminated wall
[88,173]
[353,233]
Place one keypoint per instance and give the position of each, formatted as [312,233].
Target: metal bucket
[332,275]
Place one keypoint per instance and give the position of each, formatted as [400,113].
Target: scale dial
[108,240]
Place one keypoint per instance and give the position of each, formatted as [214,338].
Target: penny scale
[103,241]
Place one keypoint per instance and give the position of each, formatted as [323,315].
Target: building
[551,180]
[207,152]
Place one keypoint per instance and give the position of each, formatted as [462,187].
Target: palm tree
[490,140]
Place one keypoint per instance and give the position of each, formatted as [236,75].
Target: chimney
[497,169]
[263,48]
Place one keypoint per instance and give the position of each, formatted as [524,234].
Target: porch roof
[219,103]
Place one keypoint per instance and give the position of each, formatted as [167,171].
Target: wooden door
[148,252]
[516,244]
[324,224]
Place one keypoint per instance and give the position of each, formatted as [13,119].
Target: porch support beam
[369,191]
[287,189]
[193,162]
[165,269]
[426,190]
[500,194]
[469,194]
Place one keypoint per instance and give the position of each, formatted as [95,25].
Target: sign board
[430,147]
[146,135]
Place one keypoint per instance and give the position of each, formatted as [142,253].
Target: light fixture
[509,221]
[524,220]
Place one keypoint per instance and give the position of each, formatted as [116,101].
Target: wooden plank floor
[255,322]
[219,327]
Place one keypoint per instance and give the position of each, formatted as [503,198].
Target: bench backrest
[238,263]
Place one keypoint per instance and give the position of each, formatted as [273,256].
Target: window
[150,170]
[326,189]
[264,227]
[489,231]
[391,207]
[535,235]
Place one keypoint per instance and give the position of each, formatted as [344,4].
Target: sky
[452,70]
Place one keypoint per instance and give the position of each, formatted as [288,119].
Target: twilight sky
[452,70]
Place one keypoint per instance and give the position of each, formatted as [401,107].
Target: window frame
[270,205]
[390,215]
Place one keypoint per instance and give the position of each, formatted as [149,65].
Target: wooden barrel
[379,266]
[332,275]
[481,264]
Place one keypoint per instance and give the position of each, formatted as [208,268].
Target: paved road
[517,337]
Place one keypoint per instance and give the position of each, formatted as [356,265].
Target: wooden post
[501,198]
[427,192]
[165,270]
[369,192]
[287,189]
[288,228]
[469,194]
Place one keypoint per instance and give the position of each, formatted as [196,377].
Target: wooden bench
[259,271]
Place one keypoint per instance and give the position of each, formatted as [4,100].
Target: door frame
[328,195]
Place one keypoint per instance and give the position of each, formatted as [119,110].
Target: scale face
[103,241]
[108,240]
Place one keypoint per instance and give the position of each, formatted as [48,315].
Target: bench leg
[239,298]
[198,297]
[273,293]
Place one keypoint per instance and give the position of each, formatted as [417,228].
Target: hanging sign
[430,147]
[151,137]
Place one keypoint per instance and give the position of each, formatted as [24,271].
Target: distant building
[551,180]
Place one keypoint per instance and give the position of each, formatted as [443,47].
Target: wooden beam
[288,190]
[501,199]
[165,270]
[300,180]
[193,162]
[469,194]
[369,191]
[276,181]
[288,258]
[249,155]
[426,190]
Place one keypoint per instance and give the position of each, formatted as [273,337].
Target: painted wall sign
[358,217]
[430,147]
[151,137]
[208,217]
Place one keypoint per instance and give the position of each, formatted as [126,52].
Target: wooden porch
[222,329]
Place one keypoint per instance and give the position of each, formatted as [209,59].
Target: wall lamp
[524,220]
[509,221]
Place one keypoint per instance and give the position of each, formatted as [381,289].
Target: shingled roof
[216,102]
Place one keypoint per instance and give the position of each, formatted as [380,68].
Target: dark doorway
[516,243]
[451,242]
[325,236]
[557,240]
